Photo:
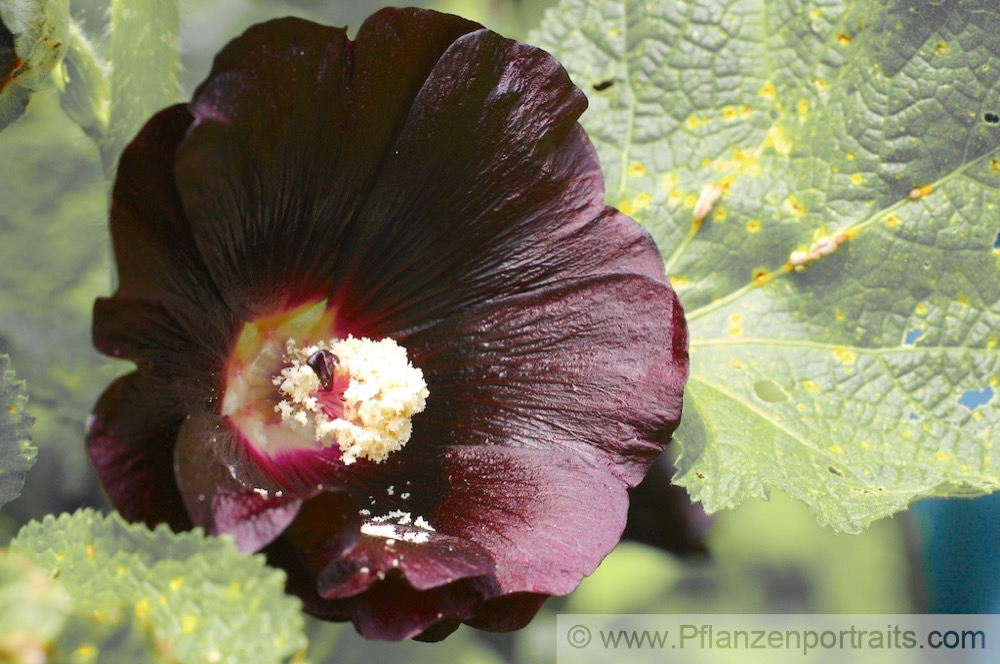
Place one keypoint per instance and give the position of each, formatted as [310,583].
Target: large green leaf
[194,597]
[867,379]
[17,454]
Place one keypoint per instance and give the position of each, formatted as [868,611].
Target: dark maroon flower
[386,329]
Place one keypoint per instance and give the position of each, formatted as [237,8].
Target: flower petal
[166,311]
[290,129]
[424,563]
[155,252]
[219,503]
[499,498]
[130,441]
[178,344]
[212,440]
[594,369]
[494,499]
[391,609]
[488,177]
[507,612]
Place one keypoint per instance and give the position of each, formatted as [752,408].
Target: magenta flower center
[288,388]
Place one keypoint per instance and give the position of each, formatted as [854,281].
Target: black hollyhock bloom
[386,329]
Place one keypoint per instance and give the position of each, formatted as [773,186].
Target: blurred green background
[766,557]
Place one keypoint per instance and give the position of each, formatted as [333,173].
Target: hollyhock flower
[386,330]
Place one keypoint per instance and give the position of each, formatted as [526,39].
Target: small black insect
[603,85]
[323,363]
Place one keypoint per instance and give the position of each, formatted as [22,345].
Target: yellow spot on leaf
[810,386]
[857,179]
[694,122]
[753,226]
[641,200]
[991,343]
[188,623]
[690,200]
[142,609]
[767,91]
[761,277]
[175,583]
[677,281]
[844,355]
[86,651]
[836,449]
[921,191]
[625,207]
[941,48]
[802,107]
[995,165]
[793,207]
[921,308]
[892,221]
[736,364]
[91,551]
[668,181]
[850,156]
[838,314]
[735,318]
[636,169]
[728,113]
[941,455]
[675,197]
[776,139]
[820,84]
[843,39]
[719,214]
[865,445]
[612,31]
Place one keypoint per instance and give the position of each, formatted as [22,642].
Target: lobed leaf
[17,454]
[195,598]
[860,142]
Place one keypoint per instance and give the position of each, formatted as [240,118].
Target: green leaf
[33,609]
[866,130]
[84,88]
[17,454]
[145,70]
[195,597]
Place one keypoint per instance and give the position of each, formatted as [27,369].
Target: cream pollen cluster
[374,392]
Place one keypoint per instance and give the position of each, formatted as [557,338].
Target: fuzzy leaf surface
[195,597]
[868,379]
[17,454]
